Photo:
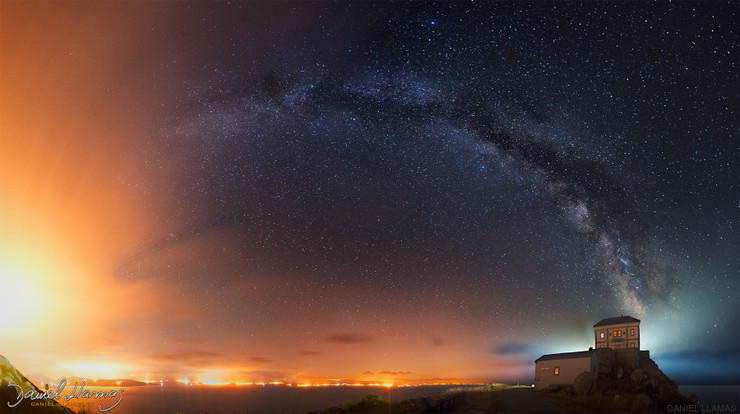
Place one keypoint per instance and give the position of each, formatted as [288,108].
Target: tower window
[556,371]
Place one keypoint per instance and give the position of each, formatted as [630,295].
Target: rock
[603,362]
[567,390]
[8,394]
[639,377]
[668,393]
[583,383]
[628,359]
[641,403]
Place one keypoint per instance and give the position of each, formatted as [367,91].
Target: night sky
[365,192]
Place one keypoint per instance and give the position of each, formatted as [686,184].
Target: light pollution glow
[70,215]
[124,255]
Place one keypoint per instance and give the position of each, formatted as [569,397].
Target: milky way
[431,189]
[587,196]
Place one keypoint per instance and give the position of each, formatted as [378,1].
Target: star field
[426,190]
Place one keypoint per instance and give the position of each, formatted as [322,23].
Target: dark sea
[714,398]
[270,399]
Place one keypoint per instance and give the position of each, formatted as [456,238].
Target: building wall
[544,371]
[623,335]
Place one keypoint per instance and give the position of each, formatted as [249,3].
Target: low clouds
[511,348]
[260,360]
[386,373]
[346,338]
[438,341]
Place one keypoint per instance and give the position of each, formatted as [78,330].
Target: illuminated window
[617,333]
[632,332]
[556,371]
[632,345]
[602,346]
[601,335]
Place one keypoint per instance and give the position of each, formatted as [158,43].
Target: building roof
[618,319]
[566,355]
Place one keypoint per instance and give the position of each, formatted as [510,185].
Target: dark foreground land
[490,399]
[515,400]
[497,399]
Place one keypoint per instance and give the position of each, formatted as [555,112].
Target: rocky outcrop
[10,375]
[9,394]
[583,383]
[625,380]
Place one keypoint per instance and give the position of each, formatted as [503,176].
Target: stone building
[616,333]
[561,368]
[622,332]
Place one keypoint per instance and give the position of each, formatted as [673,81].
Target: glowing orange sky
[75,114]
[66,213]
[432,251]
